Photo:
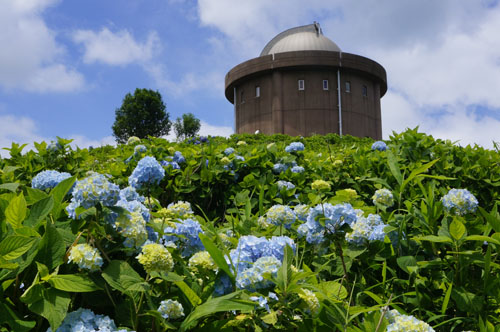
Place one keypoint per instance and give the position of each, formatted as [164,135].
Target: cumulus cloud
[207,129]
[441,57]
[115,48]
[32,59]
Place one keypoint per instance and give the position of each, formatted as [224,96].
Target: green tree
[141,114]
[186,127]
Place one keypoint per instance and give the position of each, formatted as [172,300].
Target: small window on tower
[325,84]
[365,91]
[257,91]
[348,87]
[301,84]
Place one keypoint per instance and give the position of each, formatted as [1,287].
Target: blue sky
[65,66]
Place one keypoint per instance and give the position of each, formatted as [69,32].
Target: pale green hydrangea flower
[86,256]
[133,227]
[399,322]
[155,258]
[171,309]
[383,197]
[202,261]
[320,185]
[311,300]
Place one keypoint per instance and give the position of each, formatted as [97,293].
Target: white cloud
[115,48]
[31,59]
[206,129]
[85,142]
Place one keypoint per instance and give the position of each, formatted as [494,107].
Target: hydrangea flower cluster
[333,216]
[261,300]
[383,197]
[147,172]
[285,184]
[48,179]
[172,164]
[368,229]
[132,140]
[133,227]
[280,215]
[253,279]
[85,320]
[54,146]
[202,261]
[85,256]
[189,240]
[399,322]
[229,151]
[301,211]
[459,202]
[171,309]
[250,248]
[138,149]
[295,147]
[320,185]
[130,194]
[241,143]
[311,301]
[379,145]
[180,209]
[297,169]
[282,167]
[92,190]
[155,258]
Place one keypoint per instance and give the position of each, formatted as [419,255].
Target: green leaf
[457,229]
[218,304]
[406,261]
[394,167]
[433,238]
[482,238]
[16,211]
[120,275]
[284,274]
[466,301]
[59,192]
[14,246]
[7,265]
[270,318]
[216,255]
[53,306]
[446,299]
[333,290]
[72,283]
[10,318]
[39,211]
[492,218]
[190,294]
[51,248]
[10,186]
[417,172]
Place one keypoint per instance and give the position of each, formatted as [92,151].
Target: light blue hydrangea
[178,157]
[280,215]
[459,202]
[135,206]
[383,197]
[84,320]
[285,185]
[399,322]
[301,211]
[253,279]
[171,309]
[186,235]
[282,167]
[94,189]
[261,300]
[147,172]
[295,147]
[132,226]
[228,151]
[130,194]
[222,284]
[366,229]
[297,169]
[180,209]
[379,145]
[48,179]
[312,231]
[139,149]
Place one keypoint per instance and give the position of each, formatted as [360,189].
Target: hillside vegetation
[251,233]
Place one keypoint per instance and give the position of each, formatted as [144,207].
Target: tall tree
[141,114]
[186,127]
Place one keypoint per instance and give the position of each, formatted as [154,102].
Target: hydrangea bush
[260,236]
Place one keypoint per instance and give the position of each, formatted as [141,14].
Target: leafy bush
[336,236]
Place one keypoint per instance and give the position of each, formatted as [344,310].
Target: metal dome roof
[303,38]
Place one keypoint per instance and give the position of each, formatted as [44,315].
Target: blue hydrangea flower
[301,211]
[132,226]
[285,184]
[295,147]
[189,241]
[261,300]
[228,151]
[130,194]
[280,215]
[147,172]
[222,284]
[139,149]
[135,206]
[379,145]
[366,229]
[253,279]
[459,202]
[172,164]
[48,179]
[84,320]
[312,231]
[297,169]
[92,190]
[334,215]
[178,157]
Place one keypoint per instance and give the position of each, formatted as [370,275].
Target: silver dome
[303,38]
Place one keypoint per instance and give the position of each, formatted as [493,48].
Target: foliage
[141,114]
[187,126]
[359,240]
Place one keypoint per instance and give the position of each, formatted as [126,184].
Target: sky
[65,65]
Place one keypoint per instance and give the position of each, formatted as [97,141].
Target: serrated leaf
[16,211]
[14,246]
[457,229]
[333,290]
[120,275]
[7,265]
[73,283]
[51,248]
[39,211]
[53,306]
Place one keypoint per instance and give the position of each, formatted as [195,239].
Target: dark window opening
[348,87]
[301,84]
[365,91]
[325,84]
